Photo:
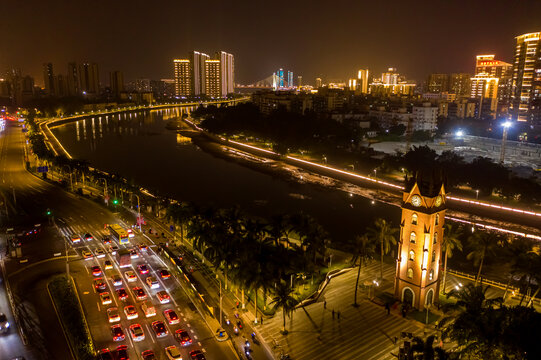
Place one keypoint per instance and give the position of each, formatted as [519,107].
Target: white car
[117,280]
[75,238]
[152,282]
[100,253]
[113,315]
[163,297]
[130,233]
[130,275]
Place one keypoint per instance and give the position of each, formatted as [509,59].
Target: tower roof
[428,182]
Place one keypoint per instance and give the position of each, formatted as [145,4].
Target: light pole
[139,213]
[476,194]
[105,188]
[506,125]
[376,174]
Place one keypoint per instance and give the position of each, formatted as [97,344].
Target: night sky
[329,38]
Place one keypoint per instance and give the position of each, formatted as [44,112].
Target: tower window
[435,238]
[431,275]
[412,255]
[413,237]
[437,219]
[410,273]
[433,255]
[414,219]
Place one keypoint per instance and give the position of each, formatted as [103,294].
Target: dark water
[139,147]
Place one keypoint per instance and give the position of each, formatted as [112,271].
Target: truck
[123,257]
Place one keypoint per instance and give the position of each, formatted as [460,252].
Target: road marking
[150,333]
[57,254]
[86,292]
[23,261]
[195,336]
[97,303]
[188,325]
[202,349]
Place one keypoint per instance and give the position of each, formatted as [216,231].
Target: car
[113,249]
[197,355]
[75,238]
[148,355]
[122,294]
[143,247]
[164,274]
[117,280]
[100,253]
[87,254]
[113,315]
[171,316]
[152,282]
[130,233]
[173,353]
[105,298]
[106,240]
[88,237]
[105,354]
[131,312]
[4,323]
[163,297]
[122,353]
[117,332]
[134,254]
[143,269]
[159,328]
[130,275]
[183,337]
[136,332]
[108,265]
[99,284]
[139,293]
[96,270]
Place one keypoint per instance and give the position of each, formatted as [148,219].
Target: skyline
[146,34]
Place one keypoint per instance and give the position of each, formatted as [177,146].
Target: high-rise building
[485,88]
[61,85]
[48,79]
[197,63]
[212,78]
[299,81]
[227,73]
[391,77]
[116,83]
[526,83]
[438,83]
[486,64]
[89,77]
[362,77]
[73,80]
[290,79]
[319,83]
[280,75]
[392,83]
[352,84]
[183,77]
[460,84]
[142,85]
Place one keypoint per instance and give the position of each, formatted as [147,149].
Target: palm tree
[284,300]
[363,249]
[385,235]
[181,213]
[481,242]
[451,241]
[422,349]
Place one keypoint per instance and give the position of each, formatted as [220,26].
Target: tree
[181,214]
[424,349]
[481,243]
[284,300]
[451,241]
[384,234]
[363,250]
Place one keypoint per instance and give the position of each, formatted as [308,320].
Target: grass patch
[72,317]
[420,316]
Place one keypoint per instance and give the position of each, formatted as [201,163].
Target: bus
[119,233]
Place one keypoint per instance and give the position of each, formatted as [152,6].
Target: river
[140,148]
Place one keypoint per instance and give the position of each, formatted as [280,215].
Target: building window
[410,273]
[435,238]
[412,255]
[412,237]
[431,275]
[437,219]
[414,219]
[433,255]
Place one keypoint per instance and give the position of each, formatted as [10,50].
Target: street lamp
[506,125]
[376,174]
[476,194]
[138,212]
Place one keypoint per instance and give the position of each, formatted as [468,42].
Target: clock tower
[417,278]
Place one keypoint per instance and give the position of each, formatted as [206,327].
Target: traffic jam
[126,295]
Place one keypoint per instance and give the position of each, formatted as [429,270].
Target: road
[43,257]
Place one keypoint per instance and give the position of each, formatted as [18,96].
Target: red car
[159,328]
[183,337]
[171,317]
[197,355]
[143,269]
[96,270]
[105,354]
[117,332]
[122,294]
[139,293]
[122,353]
[165,274]
[148,355]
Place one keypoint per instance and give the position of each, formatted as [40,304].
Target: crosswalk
[363,332]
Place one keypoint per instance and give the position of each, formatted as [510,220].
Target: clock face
[416,200]
[438,200]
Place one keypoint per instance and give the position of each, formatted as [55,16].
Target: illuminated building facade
[437,83]
[290,83]
[319,83]
[417,278]
[526,83]
[227,73]
[485,88]
[362,81]
[352,84]
[487,64]
[299,81]
[212,78]
[460,84]
[197,72]
[391,83]
[183,78]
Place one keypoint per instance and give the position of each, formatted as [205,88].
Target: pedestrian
[325,304]
[261,320]
[333,313]
[395,340]
[338,314]
[388,308]
[403,311]
[237,304]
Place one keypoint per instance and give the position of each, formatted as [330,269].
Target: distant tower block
[417,278]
